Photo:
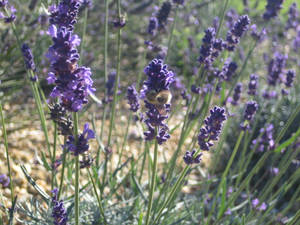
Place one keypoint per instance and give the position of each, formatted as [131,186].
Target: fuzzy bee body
[159,99]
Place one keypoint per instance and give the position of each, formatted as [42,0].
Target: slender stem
[222,17]
[53,171]
[83,32]
[153,179]
[116,85]
[77,171]
[98,197]
[62,170]
[171,33]
[7,155]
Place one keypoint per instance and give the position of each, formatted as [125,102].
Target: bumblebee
[159,99]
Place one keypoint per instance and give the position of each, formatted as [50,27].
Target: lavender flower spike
[212,129]
[272,9]
[207,46]
[28,57]
[253,84]
[237,93]
[133,99]
[189,157]
[234,35]
[163,13]
[82,142]
[73,84]
[157,102]
[59,213]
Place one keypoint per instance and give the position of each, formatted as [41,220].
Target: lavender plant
[209,136]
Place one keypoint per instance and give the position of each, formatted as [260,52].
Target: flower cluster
[257,206]
[133,99]
[4,180]
[266,140]
[159,79]
[236,94]
[251,108]
[163,13]
[59,213]
[228,69]
[212,129]
[275,68]
[253,84]
[237,31]
[230,17]
[207,46]
[59,115]
[272,9]
[12,16]
[73,84]
[28,57]
[190,158]
[290,76]
[81,145]
[179,2]
[293,17]
[152,25]
[256,35]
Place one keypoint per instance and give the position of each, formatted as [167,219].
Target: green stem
[62,170]
[97,196]
[7,155]
[171,33]
[153,179]
[222,17]
[54,156]
[77,171]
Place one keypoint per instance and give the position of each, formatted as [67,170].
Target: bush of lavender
[151,112]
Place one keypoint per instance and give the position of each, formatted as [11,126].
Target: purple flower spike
[272,9]
[156,90]
[237,93]
[253,84]
[3,3]
[133,99]
[207,46]
[293,17]
[163,13]
[59,213]
[212,129]
[179,2]
[275,68]
[73,84]
[266,141]
[82,141]
[189,157]
[152,26]
[234,35]
[251,108]
[28,57]
[12,16]
[290,76]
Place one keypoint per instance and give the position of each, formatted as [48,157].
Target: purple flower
[163,13]
[152,25]
[81,146]
[28,57]
[293,17]
[237,93]
[4,180]
[269,94]
[12,16]
[3,3]
[229,69]
[59,213]
[133,99]
[179,2]
[65,14]
[257,206]
[272,9]
[207,46]
[256,35]
[190,157]
[253,84]
[275,68]
[59,115]
[212,129]
[159,79]
[266,140]
[196,90]
[274,171]
[231,16]
[251,108]
[290,76]
[237,31]
[73,84]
